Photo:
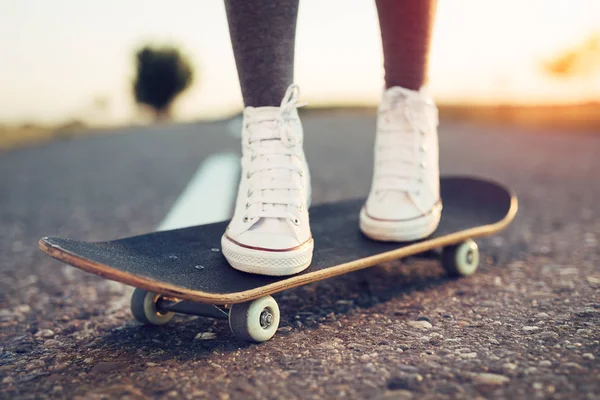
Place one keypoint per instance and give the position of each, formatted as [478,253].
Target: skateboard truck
[258,320]
[255,321]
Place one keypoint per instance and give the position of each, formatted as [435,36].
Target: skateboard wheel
[461,259]
[255,321]
[144,310]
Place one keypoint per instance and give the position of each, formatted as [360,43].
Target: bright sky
[57,56]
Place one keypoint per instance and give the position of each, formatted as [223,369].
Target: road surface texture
[525,326]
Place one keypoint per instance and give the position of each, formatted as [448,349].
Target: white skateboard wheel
[255,321]
[143,308]
[461,259]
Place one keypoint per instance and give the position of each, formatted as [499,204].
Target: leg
[406,27]
[404,202]
[262,35]
[269,233]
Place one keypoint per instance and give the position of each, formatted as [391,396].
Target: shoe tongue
[266,120]
[398,104]
[271,139]
[399,100]
[263,111]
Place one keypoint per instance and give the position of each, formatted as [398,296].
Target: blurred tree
[162,74]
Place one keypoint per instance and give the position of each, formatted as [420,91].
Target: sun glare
[57,64]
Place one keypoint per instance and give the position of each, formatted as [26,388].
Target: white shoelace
[400,145]
[275,157]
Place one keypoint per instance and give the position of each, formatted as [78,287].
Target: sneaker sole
[266,262]
[400,231]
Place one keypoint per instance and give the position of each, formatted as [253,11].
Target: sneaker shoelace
[400,146]
[275,166]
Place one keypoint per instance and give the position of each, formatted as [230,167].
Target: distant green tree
[162,74]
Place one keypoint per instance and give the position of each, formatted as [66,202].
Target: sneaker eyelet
[246,219]
[300,208]
[250,193]
[248,175]
[301,173]
[296,221]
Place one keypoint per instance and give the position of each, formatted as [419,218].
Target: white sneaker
[269,233]
[404,202]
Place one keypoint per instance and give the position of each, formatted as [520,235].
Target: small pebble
[491,379]
[546,335]
[51,343]
[545,363]
[588,356]
[58,367]
[530,328]
[405,381]
[23,309]
[509,366]
[420,324]
[397,395]
[593,280]
[326,346]
[206,336]
[45,333]
[530,370]
[35,364]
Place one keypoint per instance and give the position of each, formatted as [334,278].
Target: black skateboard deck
[187,263]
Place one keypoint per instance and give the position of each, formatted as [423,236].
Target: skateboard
[183,270]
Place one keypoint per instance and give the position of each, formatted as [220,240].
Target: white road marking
[209,196]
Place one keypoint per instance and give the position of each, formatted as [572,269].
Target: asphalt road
[525,326]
